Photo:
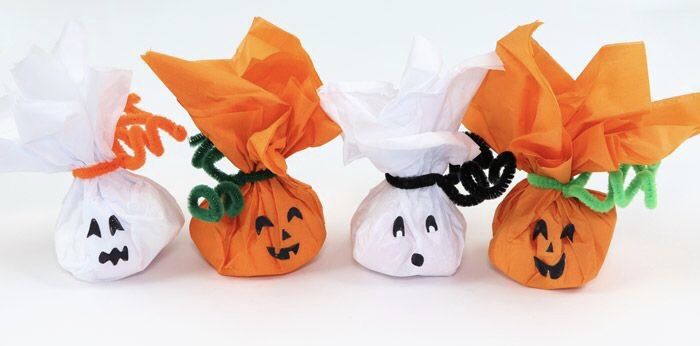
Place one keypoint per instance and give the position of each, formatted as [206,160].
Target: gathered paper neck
[471,174]
[226,198]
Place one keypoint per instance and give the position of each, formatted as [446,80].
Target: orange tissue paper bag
[257,108]
[559,127]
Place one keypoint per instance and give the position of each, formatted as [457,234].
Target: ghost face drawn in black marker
[415,239]
[115,255]
[399,230]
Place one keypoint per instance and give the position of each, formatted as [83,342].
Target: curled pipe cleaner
[644,180]
[478,185]
[226,197]
[129,131]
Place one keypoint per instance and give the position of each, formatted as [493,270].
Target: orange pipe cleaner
[130,132]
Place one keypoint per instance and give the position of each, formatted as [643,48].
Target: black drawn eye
[292,213]
[398,227]
[568,232]
[94,229]
[430,222]
[540,228]
[260,222]
[114,225]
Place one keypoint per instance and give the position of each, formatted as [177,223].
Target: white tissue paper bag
[63,117]
[409,131]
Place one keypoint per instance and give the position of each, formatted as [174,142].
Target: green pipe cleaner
[644,180]
[226,197]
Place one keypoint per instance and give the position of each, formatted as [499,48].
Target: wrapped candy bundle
[255,109]
[550,231]
[67,116]
[409,224]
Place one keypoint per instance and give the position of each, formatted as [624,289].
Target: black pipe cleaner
[478,185]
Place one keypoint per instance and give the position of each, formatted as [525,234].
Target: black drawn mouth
[114,256]
[554,271]
[417,259]
[283,254]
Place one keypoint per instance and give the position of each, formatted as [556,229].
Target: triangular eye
[540,228]
[398,227]
[260,222]
[430,222]
[114,225]
[94,229]
[568,232]
[292,213]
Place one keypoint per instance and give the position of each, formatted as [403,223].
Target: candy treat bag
[550,231]
[255,109]
[67,116]
[409,224]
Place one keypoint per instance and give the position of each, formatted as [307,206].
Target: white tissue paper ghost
[407,132]
[62,118]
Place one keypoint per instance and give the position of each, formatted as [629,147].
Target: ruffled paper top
[63,114]
[258,107]
[559,127]
[410,129]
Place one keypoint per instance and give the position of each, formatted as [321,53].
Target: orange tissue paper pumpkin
[255,109]
[550,231]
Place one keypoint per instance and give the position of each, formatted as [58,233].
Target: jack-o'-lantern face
[277,240]
[550,258]
[544,240]
[288,245]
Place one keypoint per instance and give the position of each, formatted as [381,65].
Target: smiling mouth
[554,271]
[283,254]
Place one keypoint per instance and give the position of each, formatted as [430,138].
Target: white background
[648,290]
